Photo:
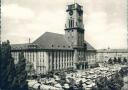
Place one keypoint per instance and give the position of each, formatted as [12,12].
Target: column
[75,58]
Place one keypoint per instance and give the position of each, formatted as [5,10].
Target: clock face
[71,12]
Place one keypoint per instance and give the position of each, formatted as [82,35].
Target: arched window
[73,23]
[69,23]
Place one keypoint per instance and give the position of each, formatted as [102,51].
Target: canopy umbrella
[31,83]
[84,85]
[35,86]
[66,86]
[58,85]
[84,80]
[47,87]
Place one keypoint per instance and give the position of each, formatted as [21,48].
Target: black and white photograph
[64,45]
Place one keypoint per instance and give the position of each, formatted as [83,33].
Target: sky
[104,20]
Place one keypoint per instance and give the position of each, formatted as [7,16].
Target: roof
[24,46]
[56,41]
[89,47]
[19,46]
[112,50]
[50,41]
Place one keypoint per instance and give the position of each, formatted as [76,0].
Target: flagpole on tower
[127,21]
[74,1]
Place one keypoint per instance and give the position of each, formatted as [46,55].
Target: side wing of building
[103,55]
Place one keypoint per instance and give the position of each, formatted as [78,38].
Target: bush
[114,83]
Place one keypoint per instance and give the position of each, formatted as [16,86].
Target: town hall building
[52,51]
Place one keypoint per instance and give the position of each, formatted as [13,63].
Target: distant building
[53,51]
[105,54]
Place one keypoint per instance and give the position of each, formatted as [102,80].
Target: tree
[80,86]
[78,65]
[114,83]
[62,76]
[21,73]
[110,61]
[102,83]
[86,64]
[124,60]
[115,60]
[72,83]
[123,71]
[7,67]
[30,68]
[119,60]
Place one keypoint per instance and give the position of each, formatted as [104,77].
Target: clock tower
[74,33]
[74,27]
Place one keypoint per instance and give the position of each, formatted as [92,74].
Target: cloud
[33,28]
[14,11]
[100,30]
[104,21]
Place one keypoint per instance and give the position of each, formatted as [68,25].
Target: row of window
[63,65]
[42,69]
[90,56]
[33,57]
[15,55]
[71,23]
[30,56]
[60,46]
[58,58]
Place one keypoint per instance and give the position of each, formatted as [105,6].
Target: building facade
[53,51]
[103,55]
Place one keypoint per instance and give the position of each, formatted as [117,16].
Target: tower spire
[80,2]
[127,21]
[74,1]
